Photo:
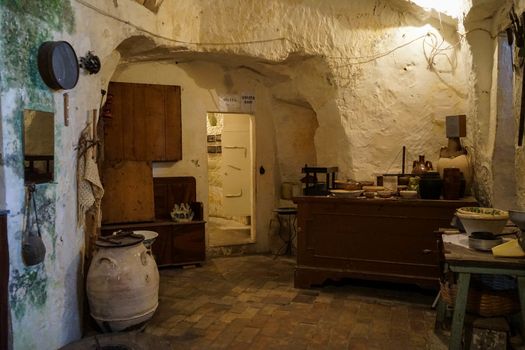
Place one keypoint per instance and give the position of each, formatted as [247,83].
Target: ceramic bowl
[373,188]
[384,194]
[518,217]
[149,237]
[370,194]
[408,194]
[340,185]
[346,193]
[476,219]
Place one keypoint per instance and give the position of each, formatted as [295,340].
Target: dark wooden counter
[378,239]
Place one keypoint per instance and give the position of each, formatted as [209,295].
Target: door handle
[236,147]
[233,195]
[427,251]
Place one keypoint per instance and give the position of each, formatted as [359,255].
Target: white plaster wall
[373,107]
[503,166]
[336,57]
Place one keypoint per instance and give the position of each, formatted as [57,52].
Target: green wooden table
[465,262]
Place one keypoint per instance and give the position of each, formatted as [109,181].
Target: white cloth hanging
[89,186]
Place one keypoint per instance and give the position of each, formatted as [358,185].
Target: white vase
[122,286]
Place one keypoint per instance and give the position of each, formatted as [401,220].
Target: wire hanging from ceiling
[436,48]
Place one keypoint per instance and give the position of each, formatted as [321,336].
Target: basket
[482,301]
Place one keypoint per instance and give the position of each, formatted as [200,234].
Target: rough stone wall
[367,106]
[520,151]
[360,67]
[44,298]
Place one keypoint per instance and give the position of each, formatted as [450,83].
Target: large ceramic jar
[122,284]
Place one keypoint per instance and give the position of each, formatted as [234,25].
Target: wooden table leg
[521,291]
[459,311]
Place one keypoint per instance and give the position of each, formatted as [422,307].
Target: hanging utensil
[33,248]
[58,65]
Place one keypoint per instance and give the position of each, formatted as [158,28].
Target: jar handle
[144,257]
[110,260]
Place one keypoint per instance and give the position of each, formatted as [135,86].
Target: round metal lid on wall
[58,65]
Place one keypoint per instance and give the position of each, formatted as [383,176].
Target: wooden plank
[521,292]
[127,126]
[155,118]
[173,124]
[139,144]
[461,256]
[459,312]
[128,193]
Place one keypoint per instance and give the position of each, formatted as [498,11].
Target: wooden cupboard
[177,243]
[377,239]
[144,123]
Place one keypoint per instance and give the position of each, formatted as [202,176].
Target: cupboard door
[162,248]
[145,123]
[128,196]
[188,243]
[173,123]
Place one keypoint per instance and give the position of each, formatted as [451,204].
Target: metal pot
[483,241]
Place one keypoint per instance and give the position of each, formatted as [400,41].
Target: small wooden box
[456,125]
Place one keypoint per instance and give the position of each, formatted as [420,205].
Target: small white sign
[248,103]
[230,103]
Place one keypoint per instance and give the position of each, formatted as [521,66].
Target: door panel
[237,165]
[145,123]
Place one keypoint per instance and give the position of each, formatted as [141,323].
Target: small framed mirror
[39,146]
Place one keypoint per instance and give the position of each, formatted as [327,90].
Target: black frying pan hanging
[58,65]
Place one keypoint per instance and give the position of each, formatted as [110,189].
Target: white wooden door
[237,165]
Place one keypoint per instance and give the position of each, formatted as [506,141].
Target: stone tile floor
[249,302]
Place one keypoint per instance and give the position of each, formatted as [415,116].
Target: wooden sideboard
[377,239]
[177,243]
